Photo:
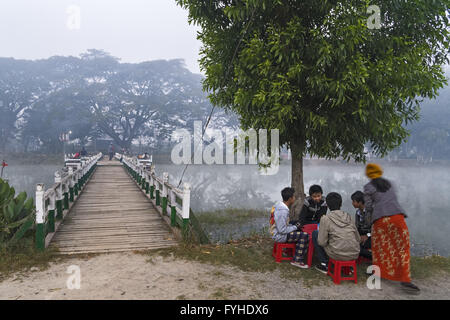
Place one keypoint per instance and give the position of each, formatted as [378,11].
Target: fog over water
[25,177]
[423,192]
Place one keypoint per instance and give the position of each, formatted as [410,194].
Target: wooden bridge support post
[40,215]
[59,197]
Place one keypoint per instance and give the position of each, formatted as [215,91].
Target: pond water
[25,177]
[423,192]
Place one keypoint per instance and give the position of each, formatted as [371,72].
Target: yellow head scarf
[373,171]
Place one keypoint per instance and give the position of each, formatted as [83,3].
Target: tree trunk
[297,179]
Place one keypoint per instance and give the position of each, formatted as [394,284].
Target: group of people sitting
[81,153]
[338,235]
[377,231]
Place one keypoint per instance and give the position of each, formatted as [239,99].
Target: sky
[132,30]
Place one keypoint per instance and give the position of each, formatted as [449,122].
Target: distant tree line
[430,136]
[94,96]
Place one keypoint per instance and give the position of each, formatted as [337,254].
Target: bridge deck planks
[111,215]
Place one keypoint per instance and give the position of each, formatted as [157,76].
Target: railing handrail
[170,192]
[49,200]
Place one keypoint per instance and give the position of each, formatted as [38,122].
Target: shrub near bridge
[16,215]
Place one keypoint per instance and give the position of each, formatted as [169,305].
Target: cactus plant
[16,214]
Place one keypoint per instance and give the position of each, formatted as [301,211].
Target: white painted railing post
[40,217]
[59,196]
[77,179]
[186,204]
[71,184]
[83,166]
[141,174]
[152,182]
[51,211]
[66,193]
[173,208]
[157,192]
[164,192]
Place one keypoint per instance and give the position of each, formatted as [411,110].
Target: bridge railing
[171,201]
[53,204]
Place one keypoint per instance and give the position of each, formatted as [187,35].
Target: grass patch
[427,267]
[23,257]
[230,215]
[254,254]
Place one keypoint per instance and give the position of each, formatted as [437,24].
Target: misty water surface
[423,192]
[25,177]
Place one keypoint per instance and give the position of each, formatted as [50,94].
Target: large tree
[21,86]
[319,73]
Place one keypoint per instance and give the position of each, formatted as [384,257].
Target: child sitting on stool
[282,231]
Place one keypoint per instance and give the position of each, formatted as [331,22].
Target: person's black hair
[381,184]
[358,196]
[334,201]
[315,189]
[287,193]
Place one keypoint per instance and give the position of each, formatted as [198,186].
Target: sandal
[409,287]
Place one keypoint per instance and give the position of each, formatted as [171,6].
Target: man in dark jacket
[363,224]
[314,206]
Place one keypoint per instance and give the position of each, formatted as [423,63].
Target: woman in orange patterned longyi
[390,235]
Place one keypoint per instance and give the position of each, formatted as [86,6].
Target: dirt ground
[136,276]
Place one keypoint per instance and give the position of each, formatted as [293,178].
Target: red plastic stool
[309,228]
[339,267]
[279,247]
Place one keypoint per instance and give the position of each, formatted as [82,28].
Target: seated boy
[314,206]
[362,224]
[337,236]
[282,231]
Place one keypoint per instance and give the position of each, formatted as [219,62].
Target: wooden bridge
[98,205]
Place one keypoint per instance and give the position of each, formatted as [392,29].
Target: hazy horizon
[133,30]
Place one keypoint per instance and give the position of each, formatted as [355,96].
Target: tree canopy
[96,96]
[318,73]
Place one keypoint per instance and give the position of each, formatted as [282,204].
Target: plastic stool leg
[337,272]
[279,254]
